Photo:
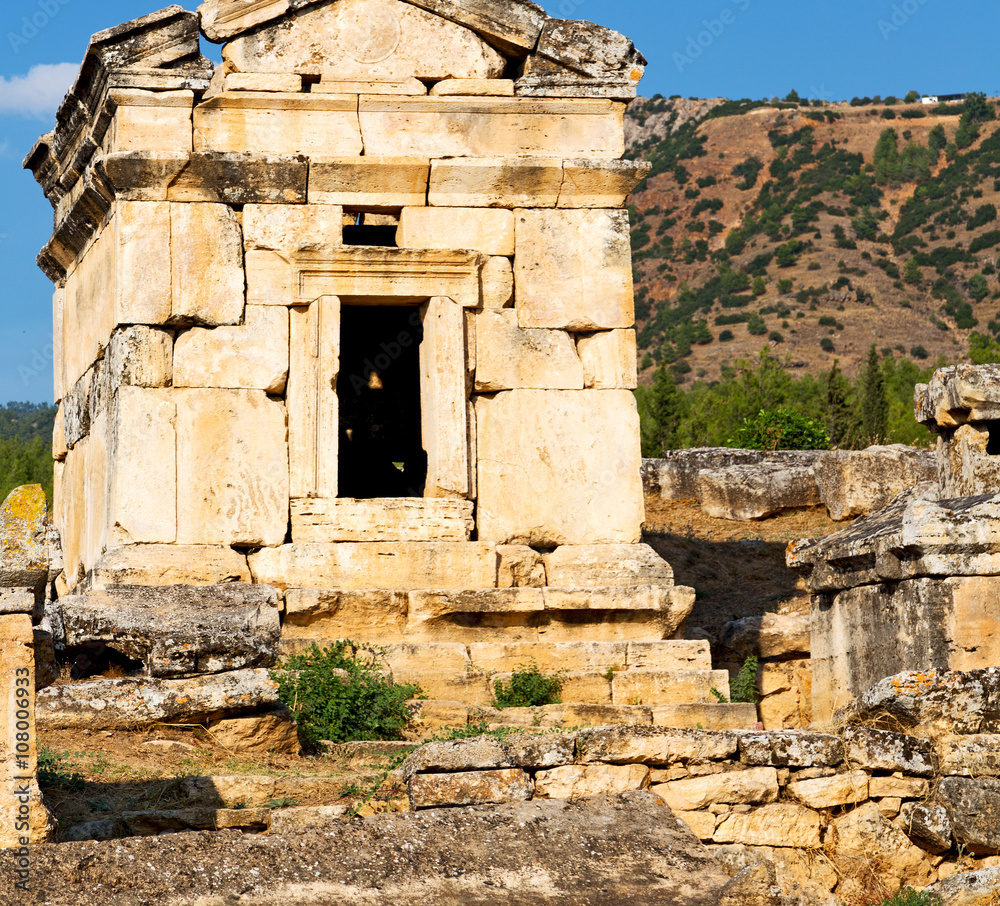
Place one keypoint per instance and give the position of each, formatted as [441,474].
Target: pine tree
[839,416]
[873,401]
[667,408]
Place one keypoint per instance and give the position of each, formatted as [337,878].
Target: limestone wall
[832,811]
[752,484]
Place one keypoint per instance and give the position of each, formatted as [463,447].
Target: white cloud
[38,93]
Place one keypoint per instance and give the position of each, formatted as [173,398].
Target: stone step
[667,687]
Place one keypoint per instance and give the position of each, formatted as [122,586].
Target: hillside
[26,446]
[807,228]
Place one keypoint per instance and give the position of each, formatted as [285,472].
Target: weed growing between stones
[54,771]
[528,688]
[343,694]
[742,688]
[910,897]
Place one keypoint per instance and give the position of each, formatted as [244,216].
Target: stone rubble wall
[827,809]
[753,484]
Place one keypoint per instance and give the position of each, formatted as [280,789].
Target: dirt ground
[737,568]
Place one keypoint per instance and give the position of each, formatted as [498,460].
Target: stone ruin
[345,347]
[916,586]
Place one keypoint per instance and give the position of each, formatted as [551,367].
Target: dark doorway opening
[993,444]
[378,391]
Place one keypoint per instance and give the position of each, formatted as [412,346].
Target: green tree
[780,429]
[840,421]
[978,287]
[667,409]
[759,286]
[912,97]
[912,273]
[873,401]
[887,158]
[937,140]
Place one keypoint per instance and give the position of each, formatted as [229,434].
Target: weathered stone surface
[539,485]
[483,230]
[24,546]
[648,858]
[520,567]
[289,227]
[285,820]
[266,122]
[786,694]
[473,88]
[150,121]
[370,182]
[556,281]
[469,788]
[828,792]
[271,731]
[366,39]
[489,127]
[676,654]
[488,753]
[512,27]
[957,395]
[778,824]
[738,716]
[965,466]
[754,786]
[128,703]
[371,615]
[508,357]
[973,807]
[882,750]
[586,780]
[138,356]
[968,888]
[17,601]
[771,635]
[180,629]
[263,81]
[496,182]
[331,85]
[654,745]
[403,565]
[927,826]
[255,790]
[898,787]
[866,838]
[497,277]
[232,468]
[662,687]
[972,756]
[168,564]
[328,519]
[858,482]
[791,748]
[600,184]
[253,356]
[675,475]
[609,360]
[755,492]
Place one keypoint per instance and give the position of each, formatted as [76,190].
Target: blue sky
[697,48]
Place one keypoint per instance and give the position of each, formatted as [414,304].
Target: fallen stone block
[488,753]
[967,888]
[469,788]
[927,825]
[770,635]
[732,716]
[167,564]
[271,731]
[882,750]
[973,807]
[754,492]
[586,780]
[120,704]
[654,745]
[180,629]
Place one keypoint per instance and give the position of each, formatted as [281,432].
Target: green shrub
[910,897]
[743,686]
[528,688]
[366,704]
[826,344]
[55,771]
[780,429]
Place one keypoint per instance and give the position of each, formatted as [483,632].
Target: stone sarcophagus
[351,315]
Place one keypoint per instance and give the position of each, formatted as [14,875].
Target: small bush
[366,704]
[780,429]
[743,686]
[54,771]
[528,688]
[775,337]
[826,344]
[910,897]
[919,352]
[725,336]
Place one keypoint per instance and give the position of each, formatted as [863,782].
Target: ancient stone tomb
[351,316]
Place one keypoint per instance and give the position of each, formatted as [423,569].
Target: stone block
[271,123]
[791,748]
[495,182]
[518,750]
[609,360]
[584,781]
[17,601]
[330,85]
[883,750]
[755,786]
[519,567]
[297,819]
[778,824]
[864,836]
[898,787]
[549,656]
[406,566]
[509,357]
[654,745]
[252,356]
[25,554]
[664,687]
[828,792]
[670,655]
[206,265]
[557,467]
[927,825]
[738,716]
[469,788]
[126,704]
[600,183]
[266,733]
[972,756]
[149,120]
[755,492]
[701,824]
[232,468]
[965,466]
[491,127]
[387,519]
[372,183]
[286,82]
[289,227]
[137,356]
[473,88]
[573,270]
[607,565]
[181,629]
[771,635]
[513,27]
[481,229]
[168,564]
[370,616]
[498,283]
[366,39]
